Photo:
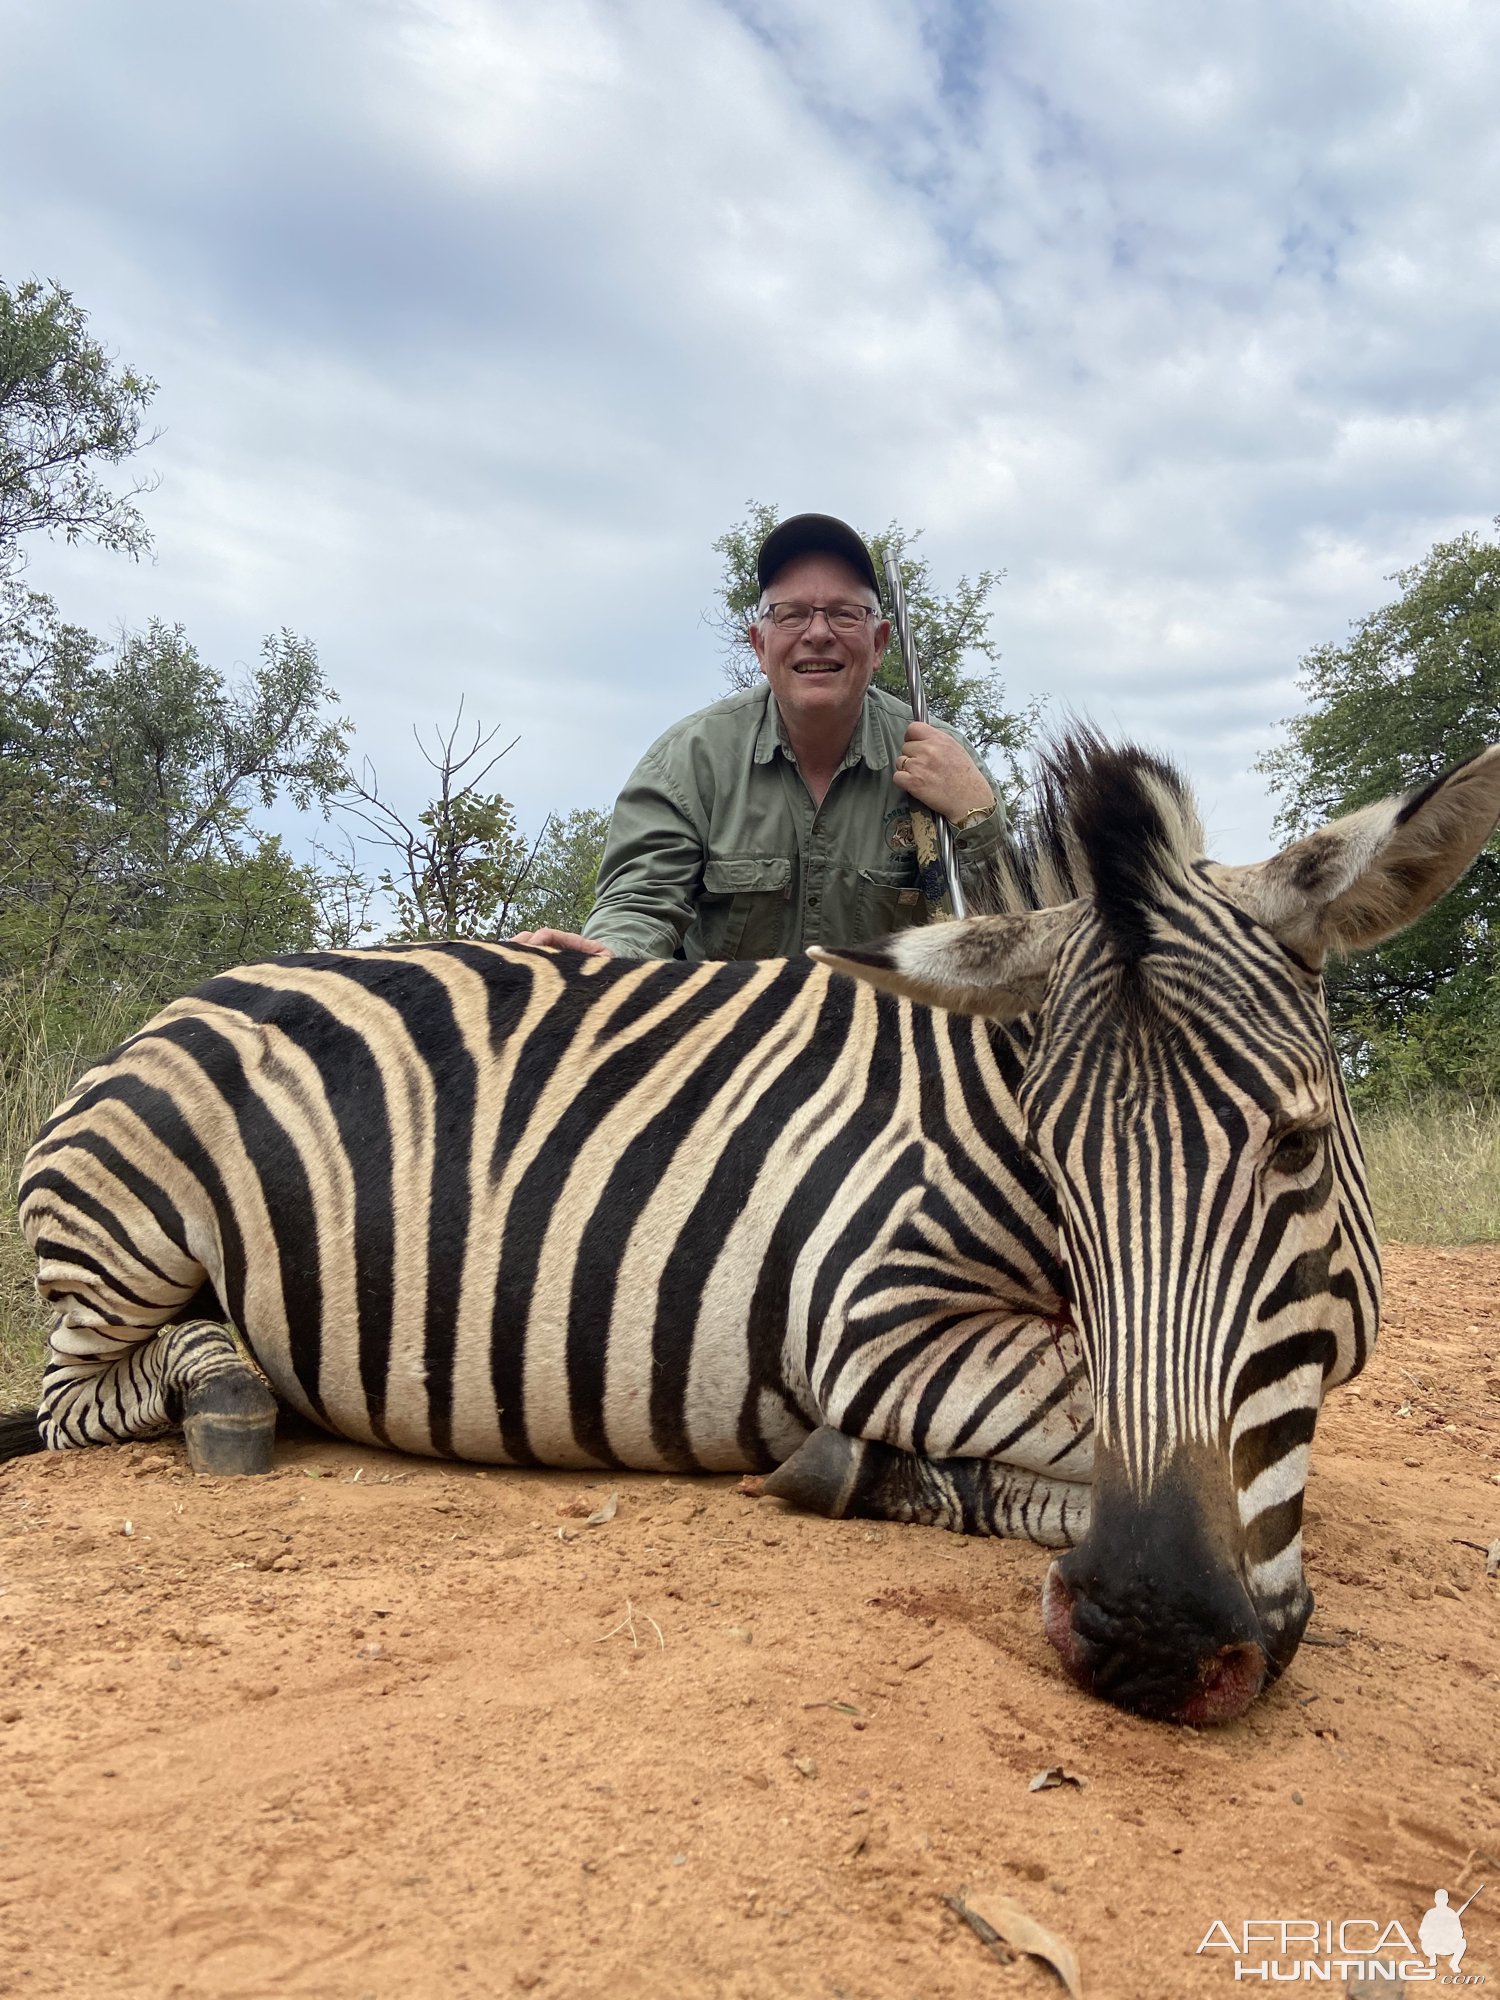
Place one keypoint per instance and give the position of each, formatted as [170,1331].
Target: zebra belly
[709,1420]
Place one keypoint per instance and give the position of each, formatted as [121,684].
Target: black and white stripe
[907,1231]
[477,1200]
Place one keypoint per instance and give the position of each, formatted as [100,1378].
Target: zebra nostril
[1230,1681]
[1158,1659]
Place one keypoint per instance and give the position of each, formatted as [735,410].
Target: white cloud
[476,323]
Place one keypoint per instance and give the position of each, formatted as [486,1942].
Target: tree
[127,780]
[950,631]
[463,862]
[65,409]
[1415,688]
[180,753]
[128,774]
[559,891]
[342,898]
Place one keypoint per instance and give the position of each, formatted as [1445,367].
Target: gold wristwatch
[975,818]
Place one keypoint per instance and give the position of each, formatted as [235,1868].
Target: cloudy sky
[476,321]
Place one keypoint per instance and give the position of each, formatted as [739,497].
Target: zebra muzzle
[1151,1611]
[1217,1686]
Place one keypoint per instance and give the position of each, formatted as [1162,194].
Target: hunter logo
[900,836]
[1283,1950]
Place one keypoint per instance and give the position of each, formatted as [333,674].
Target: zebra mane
[1109,821]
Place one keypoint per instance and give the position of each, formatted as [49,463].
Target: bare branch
[519,881]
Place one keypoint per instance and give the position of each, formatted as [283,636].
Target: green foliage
[471,860]
[558,893]
[1415,688]
[127,777]
[342,898]
[128,773]
[462,864]
[130,867]
[64,409]
[951,632]
[1448,1046]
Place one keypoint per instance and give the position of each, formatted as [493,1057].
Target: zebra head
[1182,1092]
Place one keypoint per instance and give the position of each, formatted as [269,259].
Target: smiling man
[781,817]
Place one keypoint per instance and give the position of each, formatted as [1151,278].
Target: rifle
[934,836]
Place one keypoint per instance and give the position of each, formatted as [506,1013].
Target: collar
[867,745]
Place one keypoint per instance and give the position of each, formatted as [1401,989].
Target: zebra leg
[193,1373]
[928,1406]
[838,1475]
[228,1410]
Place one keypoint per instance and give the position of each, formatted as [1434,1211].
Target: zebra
[1049,1222]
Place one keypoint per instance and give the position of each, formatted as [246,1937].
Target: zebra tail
[19,1434]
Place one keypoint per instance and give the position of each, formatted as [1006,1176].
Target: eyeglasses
[793,617]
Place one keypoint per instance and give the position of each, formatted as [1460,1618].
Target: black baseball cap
[809,534]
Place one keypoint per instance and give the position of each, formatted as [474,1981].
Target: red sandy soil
[379,1727]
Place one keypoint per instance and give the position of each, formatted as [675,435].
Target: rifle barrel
[917,695]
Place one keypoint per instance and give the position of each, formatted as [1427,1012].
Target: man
[781,817]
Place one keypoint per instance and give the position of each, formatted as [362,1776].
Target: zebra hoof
[230,1427]
[821,1475]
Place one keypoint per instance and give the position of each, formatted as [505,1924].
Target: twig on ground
[985,1932]
[627,1624]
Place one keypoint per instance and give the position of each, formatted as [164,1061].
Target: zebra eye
[1297,1150]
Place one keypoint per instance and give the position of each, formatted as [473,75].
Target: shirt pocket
[888,899]
[743,910]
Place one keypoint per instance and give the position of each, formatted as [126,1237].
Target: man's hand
[941,774]
[562,941]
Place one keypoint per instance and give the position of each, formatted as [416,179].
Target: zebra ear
[995,966]
[1368,875]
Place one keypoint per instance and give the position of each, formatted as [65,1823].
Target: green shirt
[716,849]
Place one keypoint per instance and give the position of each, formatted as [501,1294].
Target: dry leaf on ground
[1007,1920]
[1052,1777]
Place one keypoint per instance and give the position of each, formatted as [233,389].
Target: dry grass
[38,1062]
[1435,1171]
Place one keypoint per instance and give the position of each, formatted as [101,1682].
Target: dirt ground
[378,1727]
